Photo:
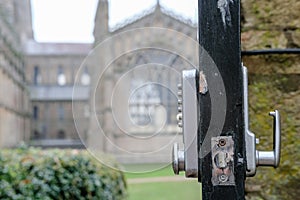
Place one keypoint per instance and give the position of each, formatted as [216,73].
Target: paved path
[158,179]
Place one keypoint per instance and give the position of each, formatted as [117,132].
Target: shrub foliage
[57,174]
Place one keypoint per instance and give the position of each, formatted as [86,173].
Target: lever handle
[271,158]
[256,158]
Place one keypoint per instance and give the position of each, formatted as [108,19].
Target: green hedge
[57,174]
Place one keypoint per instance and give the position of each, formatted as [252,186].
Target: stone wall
[274,84]
[271,24]
[14,97]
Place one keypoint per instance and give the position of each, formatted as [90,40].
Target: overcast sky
[73,20]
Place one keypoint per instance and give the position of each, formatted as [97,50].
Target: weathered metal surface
[223,161]
[219,35]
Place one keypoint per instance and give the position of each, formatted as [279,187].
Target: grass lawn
[160,190]
[165,191]
[166,171]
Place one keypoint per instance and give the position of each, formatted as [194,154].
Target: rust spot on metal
[203,89]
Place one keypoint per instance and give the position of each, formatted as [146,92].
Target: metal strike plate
[187,159]
[222,152]
[255,158]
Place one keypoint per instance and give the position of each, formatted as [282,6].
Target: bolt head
[179,108]
[180,124]
[223,178]
[179,117]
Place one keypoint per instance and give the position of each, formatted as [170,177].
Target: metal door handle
[271,158]
[254,157]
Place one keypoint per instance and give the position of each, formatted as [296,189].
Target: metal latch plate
[222,160]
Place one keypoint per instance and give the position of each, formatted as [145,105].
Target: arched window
[61,112]
[36,75]
[61,77]
[143,102]
[85,77]
[35,112]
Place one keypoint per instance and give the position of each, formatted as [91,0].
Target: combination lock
[186,159]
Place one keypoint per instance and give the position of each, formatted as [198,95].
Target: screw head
[179,117]
[223,178]
[222,142]
[179,109]
[180,124]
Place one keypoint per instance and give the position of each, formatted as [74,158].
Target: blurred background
[45,52]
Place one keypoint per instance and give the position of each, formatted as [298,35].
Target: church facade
[136,69]
[61,88]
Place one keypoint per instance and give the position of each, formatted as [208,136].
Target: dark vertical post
[219,35]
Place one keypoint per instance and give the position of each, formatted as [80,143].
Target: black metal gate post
[219,147]
[219,35]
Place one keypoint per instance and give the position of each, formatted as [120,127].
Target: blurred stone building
[51,69]
[36,81]
[15,30]
[136,70]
